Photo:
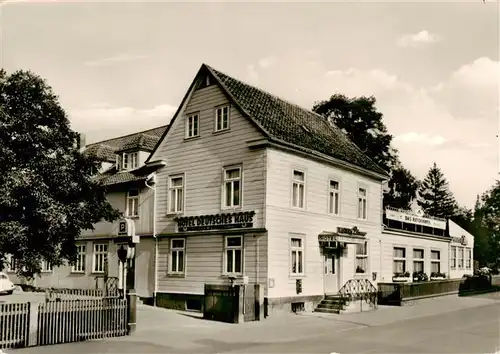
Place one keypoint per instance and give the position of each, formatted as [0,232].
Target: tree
[47,196]
[435,197]
[488,218]
[403,187]
[360,120]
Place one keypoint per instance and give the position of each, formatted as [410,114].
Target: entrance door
[332,271]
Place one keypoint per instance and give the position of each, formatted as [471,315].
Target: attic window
[129,160]
[305,128]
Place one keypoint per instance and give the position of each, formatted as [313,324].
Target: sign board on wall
[462,240]
[415,219]
[126,227]
[215,222]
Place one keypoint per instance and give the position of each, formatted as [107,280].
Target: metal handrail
[359,289]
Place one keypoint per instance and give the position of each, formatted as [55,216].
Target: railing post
[131,311]
[33,324]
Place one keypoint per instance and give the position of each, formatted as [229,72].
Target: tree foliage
[436,198]
[487,222]
[360,120]
[47,194]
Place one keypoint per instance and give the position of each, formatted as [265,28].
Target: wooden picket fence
[64,321]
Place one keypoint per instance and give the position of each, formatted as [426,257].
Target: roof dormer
[128,160]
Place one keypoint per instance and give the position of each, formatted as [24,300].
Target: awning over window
[343,235]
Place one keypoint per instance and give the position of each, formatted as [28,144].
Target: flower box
[438,276]
[401,277]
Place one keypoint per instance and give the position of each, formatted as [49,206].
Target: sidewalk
[428,307]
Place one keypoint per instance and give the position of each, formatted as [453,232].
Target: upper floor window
[221,118]
[232,187]
[334,198]
[132,202]
[192,126]
[129,160]
[176,194]
[362,195]
[298,189]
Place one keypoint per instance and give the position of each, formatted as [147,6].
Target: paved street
[442,325]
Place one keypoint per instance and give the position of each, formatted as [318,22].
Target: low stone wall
[399,293]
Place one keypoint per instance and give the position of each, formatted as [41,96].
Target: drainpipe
[152,177]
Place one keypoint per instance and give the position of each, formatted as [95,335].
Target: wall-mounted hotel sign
[343,235]
[462,240]
[215,222]
[417,219]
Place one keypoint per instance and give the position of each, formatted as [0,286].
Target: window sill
[232,275]
[226,209]
[46,271]
[365,274]
[297,276]
[172,214]
[191,138]
[297,208]
[134,217]
[176,275]
[82,272]
[222,131]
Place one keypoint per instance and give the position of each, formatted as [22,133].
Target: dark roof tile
[289,123]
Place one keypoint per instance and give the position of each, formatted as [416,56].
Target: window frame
[176,189]
[468,258]
[335,192]
[296,185]
[104,253]
[359,256]
[46,267]
[225,181]
[418,260]
[300,255]
[360,200]
[177,250]
[187,125]
[453,257]
[135,200]
[216,118]
[436,260]
[460,258]
[399,259]
[132,159]
[81,254]
[12,264]
[227,248]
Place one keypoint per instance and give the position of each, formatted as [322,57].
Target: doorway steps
[331,304]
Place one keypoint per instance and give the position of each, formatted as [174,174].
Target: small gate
[221,303]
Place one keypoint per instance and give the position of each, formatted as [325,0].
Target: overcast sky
[120,67]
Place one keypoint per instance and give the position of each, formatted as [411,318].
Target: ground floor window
[46,267]
[435,261]
[233,262]
[177,255]
[11,263]
[399,260]
[296,255]
[362,258]
[453,257]
[81,258]
[460,257]
[418,260]
[100,258]
[468,258]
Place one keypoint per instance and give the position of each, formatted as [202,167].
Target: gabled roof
[286,123]
[107,149]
